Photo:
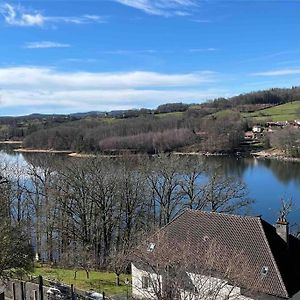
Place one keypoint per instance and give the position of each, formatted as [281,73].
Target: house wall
[137,291]
[208,284]
[203,283]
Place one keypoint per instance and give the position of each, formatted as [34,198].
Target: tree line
[148,134]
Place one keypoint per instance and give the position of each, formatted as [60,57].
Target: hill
[284,112]
[213,126]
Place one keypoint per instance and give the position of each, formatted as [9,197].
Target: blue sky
[70,56]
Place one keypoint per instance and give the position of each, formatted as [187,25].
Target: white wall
[205,285]
[218,289]
[137,291]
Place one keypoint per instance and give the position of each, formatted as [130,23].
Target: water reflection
[230,166]
[286,172]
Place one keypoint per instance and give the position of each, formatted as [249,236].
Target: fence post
[103,295]
[35,295]
[23,297]
[14,290]
[72,292]
[41,290]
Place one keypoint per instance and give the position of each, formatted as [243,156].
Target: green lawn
[284,112]
[98,281]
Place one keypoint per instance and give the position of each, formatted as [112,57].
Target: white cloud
[19,16]
[165,8]
[45,44]
[202,50]
[281,72]
[42,87]
[49,78]
[129,52]
[85,19]
[15,15]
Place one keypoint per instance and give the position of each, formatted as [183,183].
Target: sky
[74,56]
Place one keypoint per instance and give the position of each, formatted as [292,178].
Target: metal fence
[38,288]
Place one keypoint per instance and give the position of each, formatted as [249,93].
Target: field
[98,281]
[170,114]
[284,112]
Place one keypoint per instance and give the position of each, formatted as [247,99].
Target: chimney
[282,228]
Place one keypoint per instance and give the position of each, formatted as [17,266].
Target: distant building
[278,124]
[249,135]
[297,123]
[257,129]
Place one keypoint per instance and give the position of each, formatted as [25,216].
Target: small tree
[16,253]
[79,257]
[119,262]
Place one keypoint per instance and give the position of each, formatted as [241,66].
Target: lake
[268,181]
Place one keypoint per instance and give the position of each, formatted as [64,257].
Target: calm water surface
[268,181]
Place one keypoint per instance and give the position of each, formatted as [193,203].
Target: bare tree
[225,194]
[163,178]
[193,171]
[78,257]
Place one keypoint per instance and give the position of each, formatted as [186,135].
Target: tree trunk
[117,279]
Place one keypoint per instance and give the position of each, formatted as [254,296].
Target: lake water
[268,181]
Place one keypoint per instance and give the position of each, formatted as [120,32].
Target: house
[249,135]
[257,129]
[268,255]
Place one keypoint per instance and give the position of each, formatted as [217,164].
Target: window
[264,271]
[151,247]
[145,282]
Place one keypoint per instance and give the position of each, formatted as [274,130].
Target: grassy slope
[284,112]
[171,114]
[98,281]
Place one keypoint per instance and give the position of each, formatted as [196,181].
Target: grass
[170,114]
[223,113]
[98,281]
[284,112]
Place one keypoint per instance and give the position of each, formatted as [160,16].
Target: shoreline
[273,154]
[24,150]
[11,142]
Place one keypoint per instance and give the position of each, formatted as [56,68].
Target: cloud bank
[81,91]
[281,72]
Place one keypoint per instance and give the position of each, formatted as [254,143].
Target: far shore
[25,150]
[263,154]
[11,142]
[274,154]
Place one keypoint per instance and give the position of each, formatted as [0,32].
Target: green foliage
[16,255]
[98,281]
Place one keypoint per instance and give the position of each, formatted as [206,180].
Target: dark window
[145,282]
